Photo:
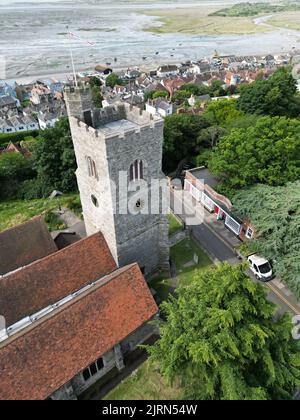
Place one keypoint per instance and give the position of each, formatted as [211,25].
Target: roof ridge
[105,279]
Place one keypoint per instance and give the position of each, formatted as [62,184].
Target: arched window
[91,166]
[136,170]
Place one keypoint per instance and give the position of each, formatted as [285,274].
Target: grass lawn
[174,224]
[185,255]
[15,212]
[196,20]
[289,20]
[144,384]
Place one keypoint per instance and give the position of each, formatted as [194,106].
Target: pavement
[220,243]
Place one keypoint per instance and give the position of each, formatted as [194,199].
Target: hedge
[6,138]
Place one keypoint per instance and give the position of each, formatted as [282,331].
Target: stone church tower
[120,148]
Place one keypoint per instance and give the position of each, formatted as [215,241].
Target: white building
[159,107]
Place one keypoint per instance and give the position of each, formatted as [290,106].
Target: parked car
[260,267]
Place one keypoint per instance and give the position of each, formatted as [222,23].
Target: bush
[5,139]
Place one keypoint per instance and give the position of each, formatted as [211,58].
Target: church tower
[119,157]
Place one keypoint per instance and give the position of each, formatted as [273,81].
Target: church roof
[23,244]
[47,354]
[31,288]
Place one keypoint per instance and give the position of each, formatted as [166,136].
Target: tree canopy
[275,96]
[275,213]
[112,80]
[182,139]
[222,112]
[14,169]
[221,341]
[267,153]
[54,159]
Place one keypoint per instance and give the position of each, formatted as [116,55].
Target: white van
[260,267]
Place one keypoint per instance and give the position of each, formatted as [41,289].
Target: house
[47,120]
[40,94]
[200,68]
[8,89]
[109,101]
[168,70]
[132,74]
[172,85]
[160,107]
[12,147]
[103,71]
[232,79]
[201,100]
[74,316]
[16,123]
[200,183]
[9,103]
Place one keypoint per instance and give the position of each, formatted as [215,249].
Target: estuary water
[33,40]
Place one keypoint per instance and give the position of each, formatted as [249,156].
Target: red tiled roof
[46,355]
[48,280]
[23,244]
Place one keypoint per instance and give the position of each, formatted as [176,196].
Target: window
[249,233]
[93,369]
[91,166]
[136,170]
[94,200]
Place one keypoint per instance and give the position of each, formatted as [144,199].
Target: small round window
[94,200]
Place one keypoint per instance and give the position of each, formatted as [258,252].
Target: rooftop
[119,125]
[24,244]
[34,287]
[49,352]
[205,176]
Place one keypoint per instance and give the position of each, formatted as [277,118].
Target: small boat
[157,53]
[144,58]
[108,64]
[115,59]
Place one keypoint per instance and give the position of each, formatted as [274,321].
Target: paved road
[218,250]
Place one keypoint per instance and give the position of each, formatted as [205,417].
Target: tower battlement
[120,139]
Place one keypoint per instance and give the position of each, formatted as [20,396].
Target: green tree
[181,96]
[112,80]
[275,96]
[14,169]
[94,81]
[194,89]
[54,158]
[14,165]
[222,112]
[220,340]
[275,213]
[160,94]
[182,139]
[266,153]
[97,98]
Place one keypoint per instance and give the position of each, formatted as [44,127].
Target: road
[220,251]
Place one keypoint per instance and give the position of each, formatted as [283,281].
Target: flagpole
[72,59]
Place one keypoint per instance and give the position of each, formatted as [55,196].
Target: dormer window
[136,170]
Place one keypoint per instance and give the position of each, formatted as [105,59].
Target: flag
[72,35]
